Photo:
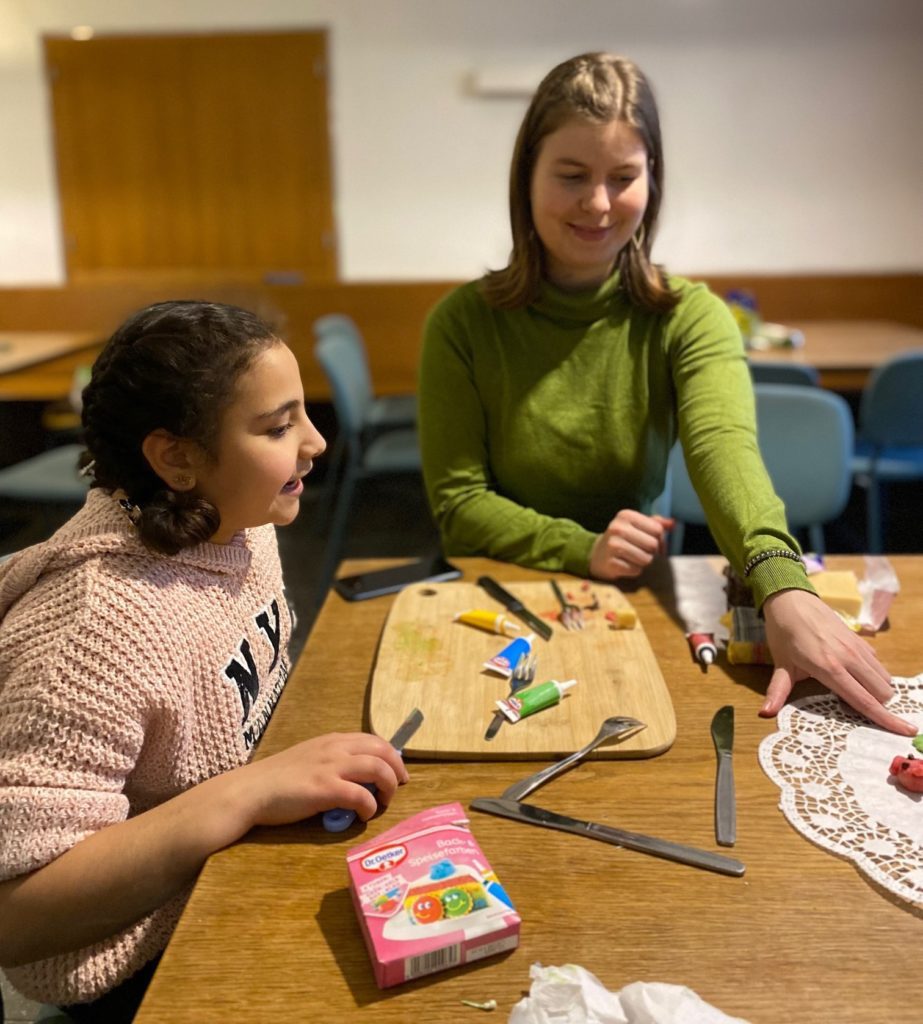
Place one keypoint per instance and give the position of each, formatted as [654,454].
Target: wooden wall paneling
[204,151]
[391,314]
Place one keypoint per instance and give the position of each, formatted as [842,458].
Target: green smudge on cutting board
[410,638]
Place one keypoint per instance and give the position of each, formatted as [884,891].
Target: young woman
[552,391]
[142,651]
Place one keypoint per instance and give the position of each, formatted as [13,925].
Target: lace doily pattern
[832,769]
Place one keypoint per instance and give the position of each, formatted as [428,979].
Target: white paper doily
[832,769]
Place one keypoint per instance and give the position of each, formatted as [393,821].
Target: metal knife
[514,605]
[338,819]
[533,815]
[617,837]
[722,732]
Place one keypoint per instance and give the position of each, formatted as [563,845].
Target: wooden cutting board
[428,661]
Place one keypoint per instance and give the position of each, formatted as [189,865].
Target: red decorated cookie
[908,772]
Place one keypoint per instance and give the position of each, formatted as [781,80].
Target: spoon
[617,726]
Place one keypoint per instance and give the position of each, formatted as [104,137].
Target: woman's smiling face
[589,192]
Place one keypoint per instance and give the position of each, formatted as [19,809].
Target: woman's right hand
[319,774]
[629,544]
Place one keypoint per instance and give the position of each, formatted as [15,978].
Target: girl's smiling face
[588,195]
[265,445]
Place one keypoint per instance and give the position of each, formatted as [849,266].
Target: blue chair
[359,453]
[806,440]
[889,448]
[51,477]
[379,412]
[784,373]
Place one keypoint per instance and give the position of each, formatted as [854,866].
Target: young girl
[142,651]
[573,370]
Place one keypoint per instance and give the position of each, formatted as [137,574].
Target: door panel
[208,152]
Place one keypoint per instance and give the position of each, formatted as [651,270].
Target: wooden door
[197,152]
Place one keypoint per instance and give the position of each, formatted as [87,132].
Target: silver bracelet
[774,553]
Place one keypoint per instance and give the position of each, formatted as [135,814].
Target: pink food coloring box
[427,898]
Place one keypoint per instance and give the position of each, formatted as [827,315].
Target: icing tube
[545,695]
[493,622]
[504,662]
[703,648]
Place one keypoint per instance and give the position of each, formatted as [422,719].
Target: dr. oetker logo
[386,857]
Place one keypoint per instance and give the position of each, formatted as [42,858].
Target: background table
[844,351]
[38,366]
[270,932]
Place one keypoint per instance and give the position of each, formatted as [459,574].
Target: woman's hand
[629,544]
[808,639]
[322,773]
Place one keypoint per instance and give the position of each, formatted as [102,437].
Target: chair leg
[875,539]
[816,538]
[328,488]
[677,536]
[334,545]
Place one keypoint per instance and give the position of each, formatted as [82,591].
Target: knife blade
[514,605]
[338,819]
[533,815]
[722,732]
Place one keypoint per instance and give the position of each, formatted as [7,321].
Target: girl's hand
[808,639]
[322,773]
[630,543]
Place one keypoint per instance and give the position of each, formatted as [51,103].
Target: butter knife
[338,819]
[533,815]
[514,605]
[722,732]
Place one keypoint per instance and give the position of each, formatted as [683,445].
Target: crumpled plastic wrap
[572,995]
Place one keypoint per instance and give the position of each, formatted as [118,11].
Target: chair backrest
[806,440]
[889,411]
[341,353]
[784,373]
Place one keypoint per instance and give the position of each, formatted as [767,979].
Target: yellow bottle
[492,622]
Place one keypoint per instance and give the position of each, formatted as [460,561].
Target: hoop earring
[637,239]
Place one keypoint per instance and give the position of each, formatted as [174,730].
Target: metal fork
[571,616]
[523,674]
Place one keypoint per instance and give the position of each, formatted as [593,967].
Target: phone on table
[387,581]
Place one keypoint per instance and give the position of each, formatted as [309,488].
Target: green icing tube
[545,695]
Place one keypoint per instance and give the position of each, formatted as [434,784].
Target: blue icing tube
[504,662]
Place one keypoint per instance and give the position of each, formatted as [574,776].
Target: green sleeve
[717,427]
[473,519]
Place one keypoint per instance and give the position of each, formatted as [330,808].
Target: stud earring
[182,481]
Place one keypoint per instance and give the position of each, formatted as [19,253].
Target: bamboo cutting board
[428,661]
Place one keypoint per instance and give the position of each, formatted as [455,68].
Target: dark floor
[390,518]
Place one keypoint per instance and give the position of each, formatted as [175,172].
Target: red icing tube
[908,772]
[703,648]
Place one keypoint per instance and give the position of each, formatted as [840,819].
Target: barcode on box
[417,966]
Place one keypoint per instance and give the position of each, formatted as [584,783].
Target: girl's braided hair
[171,366]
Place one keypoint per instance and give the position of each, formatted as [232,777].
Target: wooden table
[270,932]
[844,351]
[38,366]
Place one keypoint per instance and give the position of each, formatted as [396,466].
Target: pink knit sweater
[125,678]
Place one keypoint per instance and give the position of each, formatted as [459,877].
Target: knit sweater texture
[539,424]
[126,677]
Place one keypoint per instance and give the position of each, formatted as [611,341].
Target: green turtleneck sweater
[538,425]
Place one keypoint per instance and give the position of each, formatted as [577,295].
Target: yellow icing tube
[492,622]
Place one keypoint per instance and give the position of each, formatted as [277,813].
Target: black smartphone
[388,581]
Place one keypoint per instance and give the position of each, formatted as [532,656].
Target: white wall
[792,127]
